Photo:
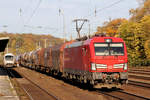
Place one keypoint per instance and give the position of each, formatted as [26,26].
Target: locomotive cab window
[9,58]
[105,49]
[116,49]
[101,49]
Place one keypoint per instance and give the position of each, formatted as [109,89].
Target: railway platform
[7,92]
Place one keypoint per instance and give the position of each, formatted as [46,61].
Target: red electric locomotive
[100,60]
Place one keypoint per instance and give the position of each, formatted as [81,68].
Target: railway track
[125,94]
[139,72]
[115,94]
[143,77]
[33,90]
[120,95]
[140,84]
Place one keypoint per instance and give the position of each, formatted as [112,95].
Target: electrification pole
[39,44]
[45,43]
[64,25]
[89,29]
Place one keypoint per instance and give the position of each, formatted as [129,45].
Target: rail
[26,91]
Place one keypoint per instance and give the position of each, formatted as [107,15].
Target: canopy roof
[3,43]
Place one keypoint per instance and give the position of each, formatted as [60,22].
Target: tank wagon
[100,61]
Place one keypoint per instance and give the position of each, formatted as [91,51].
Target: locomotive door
[85,58]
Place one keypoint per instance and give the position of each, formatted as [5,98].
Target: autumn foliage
[20,43]
[135,32]
[111,27]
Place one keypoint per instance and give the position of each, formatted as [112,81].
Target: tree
[20,43]
[132,33]
[140,12]
[111,27]
[145,24]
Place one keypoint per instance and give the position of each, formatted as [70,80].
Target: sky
[55,17]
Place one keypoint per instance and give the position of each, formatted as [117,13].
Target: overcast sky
[43,17]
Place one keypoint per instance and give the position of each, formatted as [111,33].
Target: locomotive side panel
[73,60]
[86,57]
[77,61]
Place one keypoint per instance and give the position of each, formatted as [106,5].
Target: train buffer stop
[7,91]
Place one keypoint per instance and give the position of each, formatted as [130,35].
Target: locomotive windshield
[105,49]
[9,58]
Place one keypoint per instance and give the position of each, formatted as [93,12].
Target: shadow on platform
[9,72]
[2,71]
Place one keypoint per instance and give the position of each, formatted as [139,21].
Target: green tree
[132,34]
[145,24]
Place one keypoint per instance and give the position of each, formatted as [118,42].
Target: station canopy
[3,43]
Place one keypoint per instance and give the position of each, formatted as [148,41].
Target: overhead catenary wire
[101,9]
[109,6]
[34,11]
[96,11]
[30,18]
[21,13]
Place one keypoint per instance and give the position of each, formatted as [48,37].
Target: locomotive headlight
[101,66]
[125,66]
[118,65]
[108,40]
[93,66]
